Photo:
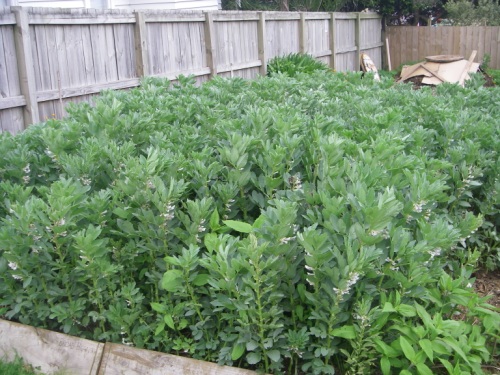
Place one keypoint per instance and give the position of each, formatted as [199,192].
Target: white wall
[51,4]
[120,4]
[165,4]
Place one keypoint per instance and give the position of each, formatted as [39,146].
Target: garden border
[57,352]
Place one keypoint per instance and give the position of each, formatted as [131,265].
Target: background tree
[467,13]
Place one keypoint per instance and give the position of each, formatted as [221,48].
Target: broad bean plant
[317,224]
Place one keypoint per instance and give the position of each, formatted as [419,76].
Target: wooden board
[48,350]
[120,359]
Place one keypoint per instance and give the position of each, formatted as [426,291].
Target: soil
[488,284]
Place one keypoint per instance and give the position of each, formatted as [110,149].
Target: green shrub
[318,224]
[295,63]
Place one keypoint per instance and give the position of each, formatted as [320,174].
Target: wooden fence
[49,57]
[411,43]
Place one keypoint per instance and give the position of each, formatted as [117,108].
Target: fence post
[25,66]
[141,46]
[357,37]
[302,33]
[210,43]
[261,35]
[332,26]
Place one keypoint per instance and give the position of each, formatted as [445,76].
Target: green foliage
[15,367]
[314,224]
[295,63]
[471,13]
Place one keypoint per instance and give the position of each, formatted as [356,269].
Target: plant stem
[258,301]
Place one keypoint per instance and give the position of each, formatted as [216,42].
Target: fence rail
[49,57]
[410,43]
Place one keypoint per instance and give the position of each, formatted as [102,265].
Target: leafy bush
[471,13]
[314,224]
[295,63]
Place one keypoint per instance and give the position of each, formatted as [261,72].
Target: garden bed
[313,224]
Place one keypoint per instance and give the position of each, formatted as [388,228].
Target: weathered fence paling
[50,57]
[411,43]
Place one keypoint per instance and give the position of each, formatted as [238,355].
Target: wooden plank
[302,33]
[9,73]
[111,55]
[172,18]
[346,16]
[240,66]
[282,16]
[317,16]
[261,37]
[197,52]
[368,16]
[7,19]
[25,65]
[467,67]
[347,50]
[320,54]
[235,16]
[122,46]
[12,121]
[357,39]
[487,41]
[4,76]
[12,102]
[74,48]
[47,95]
[141,46]
[210,44]
[50,351]
[372,46]
[195,72]
[388,52]
[495,48]
[331,32]
[39,54]
[120,359]
[480,44]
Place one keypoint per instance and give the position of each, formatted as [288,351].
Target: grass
[15,367]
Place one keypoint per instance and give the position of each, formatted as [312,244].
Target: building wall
[165,4]
[119,4]
[51,4]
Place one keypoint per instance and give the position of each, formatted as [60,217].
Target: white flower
[27,169]
[17,277]
[285,240]
[85,180]
[434,253]
[60,223]
[13,265]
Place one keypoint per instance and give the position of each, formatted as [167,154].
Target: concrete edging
[56,352]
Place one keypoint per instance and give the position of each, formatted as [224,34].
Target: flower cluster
[295,182]
[394,265]
[169,212]
[353,279]
[417,207]
[285,240]
[26,177]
